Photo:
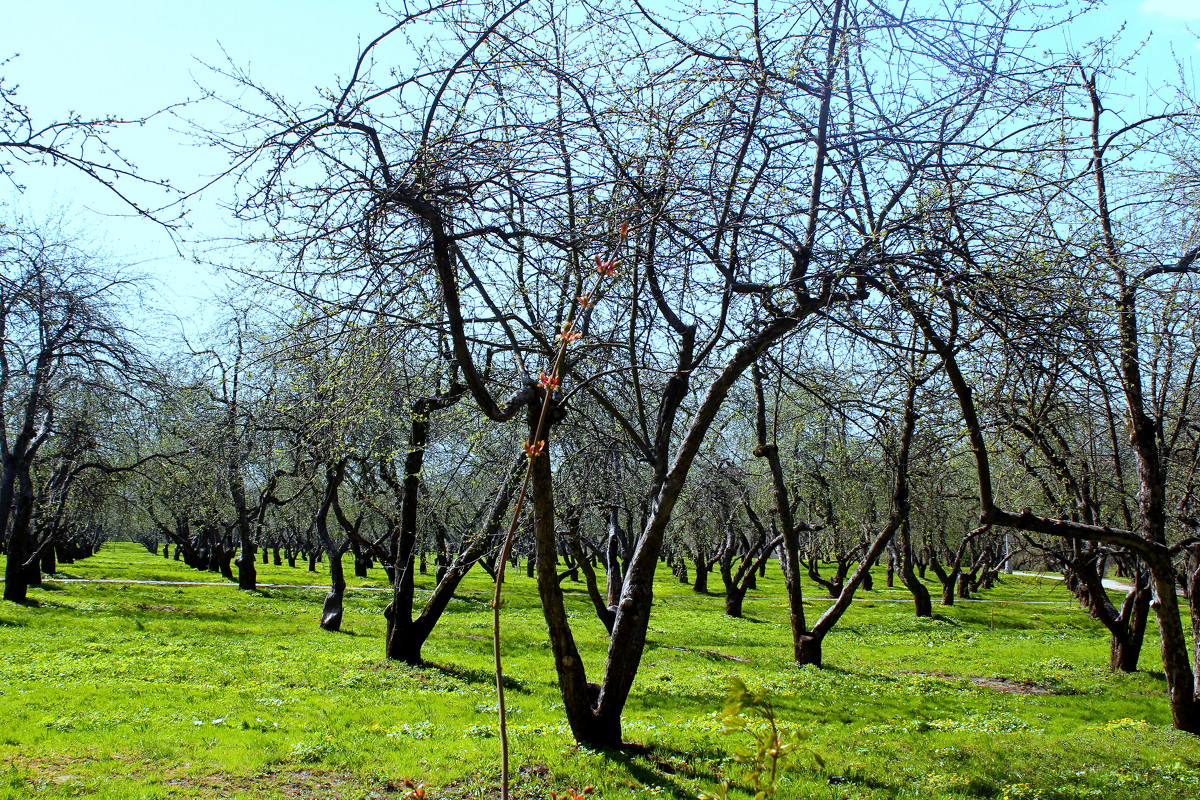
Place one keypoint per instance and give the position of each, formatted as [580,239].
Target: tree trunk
[808,650]
[225,564]
[1123,654]
[1181,680]
[16,575]
[948,579]
[700,585]
[406,636]
[922,604]
[579,696]
[790,555]
[331,612]
[247,576]
[605,606]
[948,592]
[49,560]
[734,597]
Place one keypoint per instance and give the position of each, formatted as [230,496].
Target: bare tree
[1093,245]
[60,330]
[759,177]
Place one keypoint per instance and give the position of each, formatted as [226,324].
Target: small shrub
[753,714]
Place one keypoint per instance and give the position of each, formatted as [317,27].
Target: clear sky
[131,57]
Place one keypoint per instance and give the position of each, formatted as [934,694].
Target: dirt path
[131,582]
[1109,583]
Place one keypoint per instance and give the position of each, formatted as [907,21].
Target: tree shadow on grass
[711,655]
[467,604]
[471,675]
[834,669]
[659,771]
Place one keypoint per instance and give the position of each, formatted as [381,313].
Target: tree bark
[922,605]
[406,636]
[331,612]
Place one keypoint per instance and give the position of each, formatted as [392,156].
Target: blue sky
[130,57]
[1178,9]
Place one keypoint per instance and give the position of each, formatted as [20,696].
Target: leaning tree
[1088,236]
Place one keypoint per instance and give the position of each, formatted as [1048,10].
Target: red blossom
[571,794]
[569,336]
[549,382]
[606,268]
[417,790]
[586,300]
[534,450]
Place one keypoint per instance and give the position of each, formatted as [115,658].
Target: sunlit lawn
[150,691]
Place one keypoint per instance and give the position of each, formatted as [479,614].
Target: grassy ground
[111,690]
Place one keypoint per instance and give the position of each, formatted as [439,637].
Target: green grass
[147,691]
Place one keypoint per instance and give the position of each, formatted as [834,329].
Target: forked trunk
[580,698]
[406,636]
[807,650]
[1124,653]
